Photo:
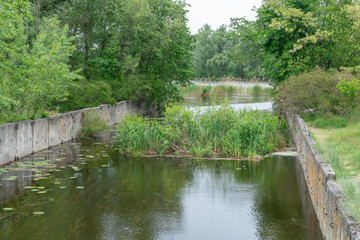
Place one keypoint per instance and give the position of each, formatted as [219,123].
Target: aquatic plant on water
[220,131]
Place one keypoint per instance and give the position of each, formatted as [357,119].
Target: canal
[86,190]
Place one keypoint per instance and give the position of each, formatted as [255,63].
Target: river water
[86,190]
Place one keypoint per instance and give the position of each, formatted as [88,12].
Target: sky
[218,12]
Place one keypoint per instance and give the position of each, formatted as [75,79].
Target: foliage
[300,35]
[92,123]
[140,48]
[223,52]
[316,92]
[220,131]
[87,94]
[350,91]
[34,72]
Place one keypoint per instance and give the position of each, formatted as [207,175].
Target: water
[237,101]
[231,83]
[155,198]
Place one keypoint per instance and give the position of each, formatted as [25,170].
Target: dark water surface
[93,192]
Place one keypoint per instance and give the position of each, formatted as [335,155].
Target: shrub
[87,94]
[92,123]
[317,92]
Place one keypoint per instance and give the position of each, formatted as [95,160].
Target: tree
[299,35]
[33,75]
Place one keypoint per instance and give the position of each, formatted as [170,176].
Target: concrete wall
[23,138]
[325,193]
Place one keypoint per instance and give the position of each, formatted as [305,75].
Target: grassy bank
[219,132]
[338,140]
[203,90]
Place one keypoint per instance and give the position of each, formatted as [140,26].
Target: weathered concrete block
[76,117]
[55,128]
[24,138]
[121,110]
[66,126]
[7,143]
[113,119]
[40,135]
[105,113]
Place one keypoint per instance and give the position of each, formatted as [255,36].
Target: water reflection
[134,198]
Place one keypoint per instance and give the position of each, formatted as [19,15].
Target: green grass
[338,140]
[219,132]
[204,90]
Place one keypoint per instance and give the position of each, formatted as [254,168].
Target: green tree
[33,75]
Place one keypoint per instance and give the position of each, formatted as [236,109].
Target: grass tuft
[221,131]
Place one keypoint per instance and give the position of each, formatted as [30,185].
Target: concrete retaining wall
[23,138]
[325,193]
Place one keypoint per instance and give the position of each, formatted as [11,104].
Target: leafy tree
[299,35]
[32,75]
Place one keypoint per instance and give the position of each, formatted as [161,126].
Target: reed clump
[219,132]
[205,90]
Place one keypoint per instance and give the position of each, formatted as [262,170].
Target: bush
[92,123]
[317,92]
[221,131]
[87,94]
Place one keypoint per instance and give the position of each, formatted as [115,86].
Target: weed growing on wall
[220,131]
[92,123]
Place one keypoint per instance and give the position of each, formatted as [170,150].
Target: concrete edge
[326,194]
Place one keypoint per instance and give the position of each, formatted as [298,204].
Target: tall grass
[221,131]
[204,90]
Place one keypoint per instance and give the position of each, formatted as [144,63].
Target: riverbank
[338,140]
[335,219]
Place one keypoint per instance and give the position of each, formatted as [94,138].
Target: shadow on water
[87,191]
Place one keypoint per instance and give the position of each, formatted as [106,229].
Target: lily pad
[41,192]
[80,187]
[7,209]
[11,178]
[38,213]
[76,168]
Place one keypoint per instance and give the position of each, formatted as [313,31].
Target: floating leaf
[41,187]
[41,192]
[35,190]
[38,213]
[104,165]
[57,182]
[7,209]
[76,168]
[62,187]
[11,178]
[79,187]
[72,177]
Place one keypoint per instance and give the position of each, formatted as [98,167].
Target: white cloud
[218,12]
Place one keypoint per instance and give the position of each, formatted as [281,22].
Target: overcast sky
[217,12]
